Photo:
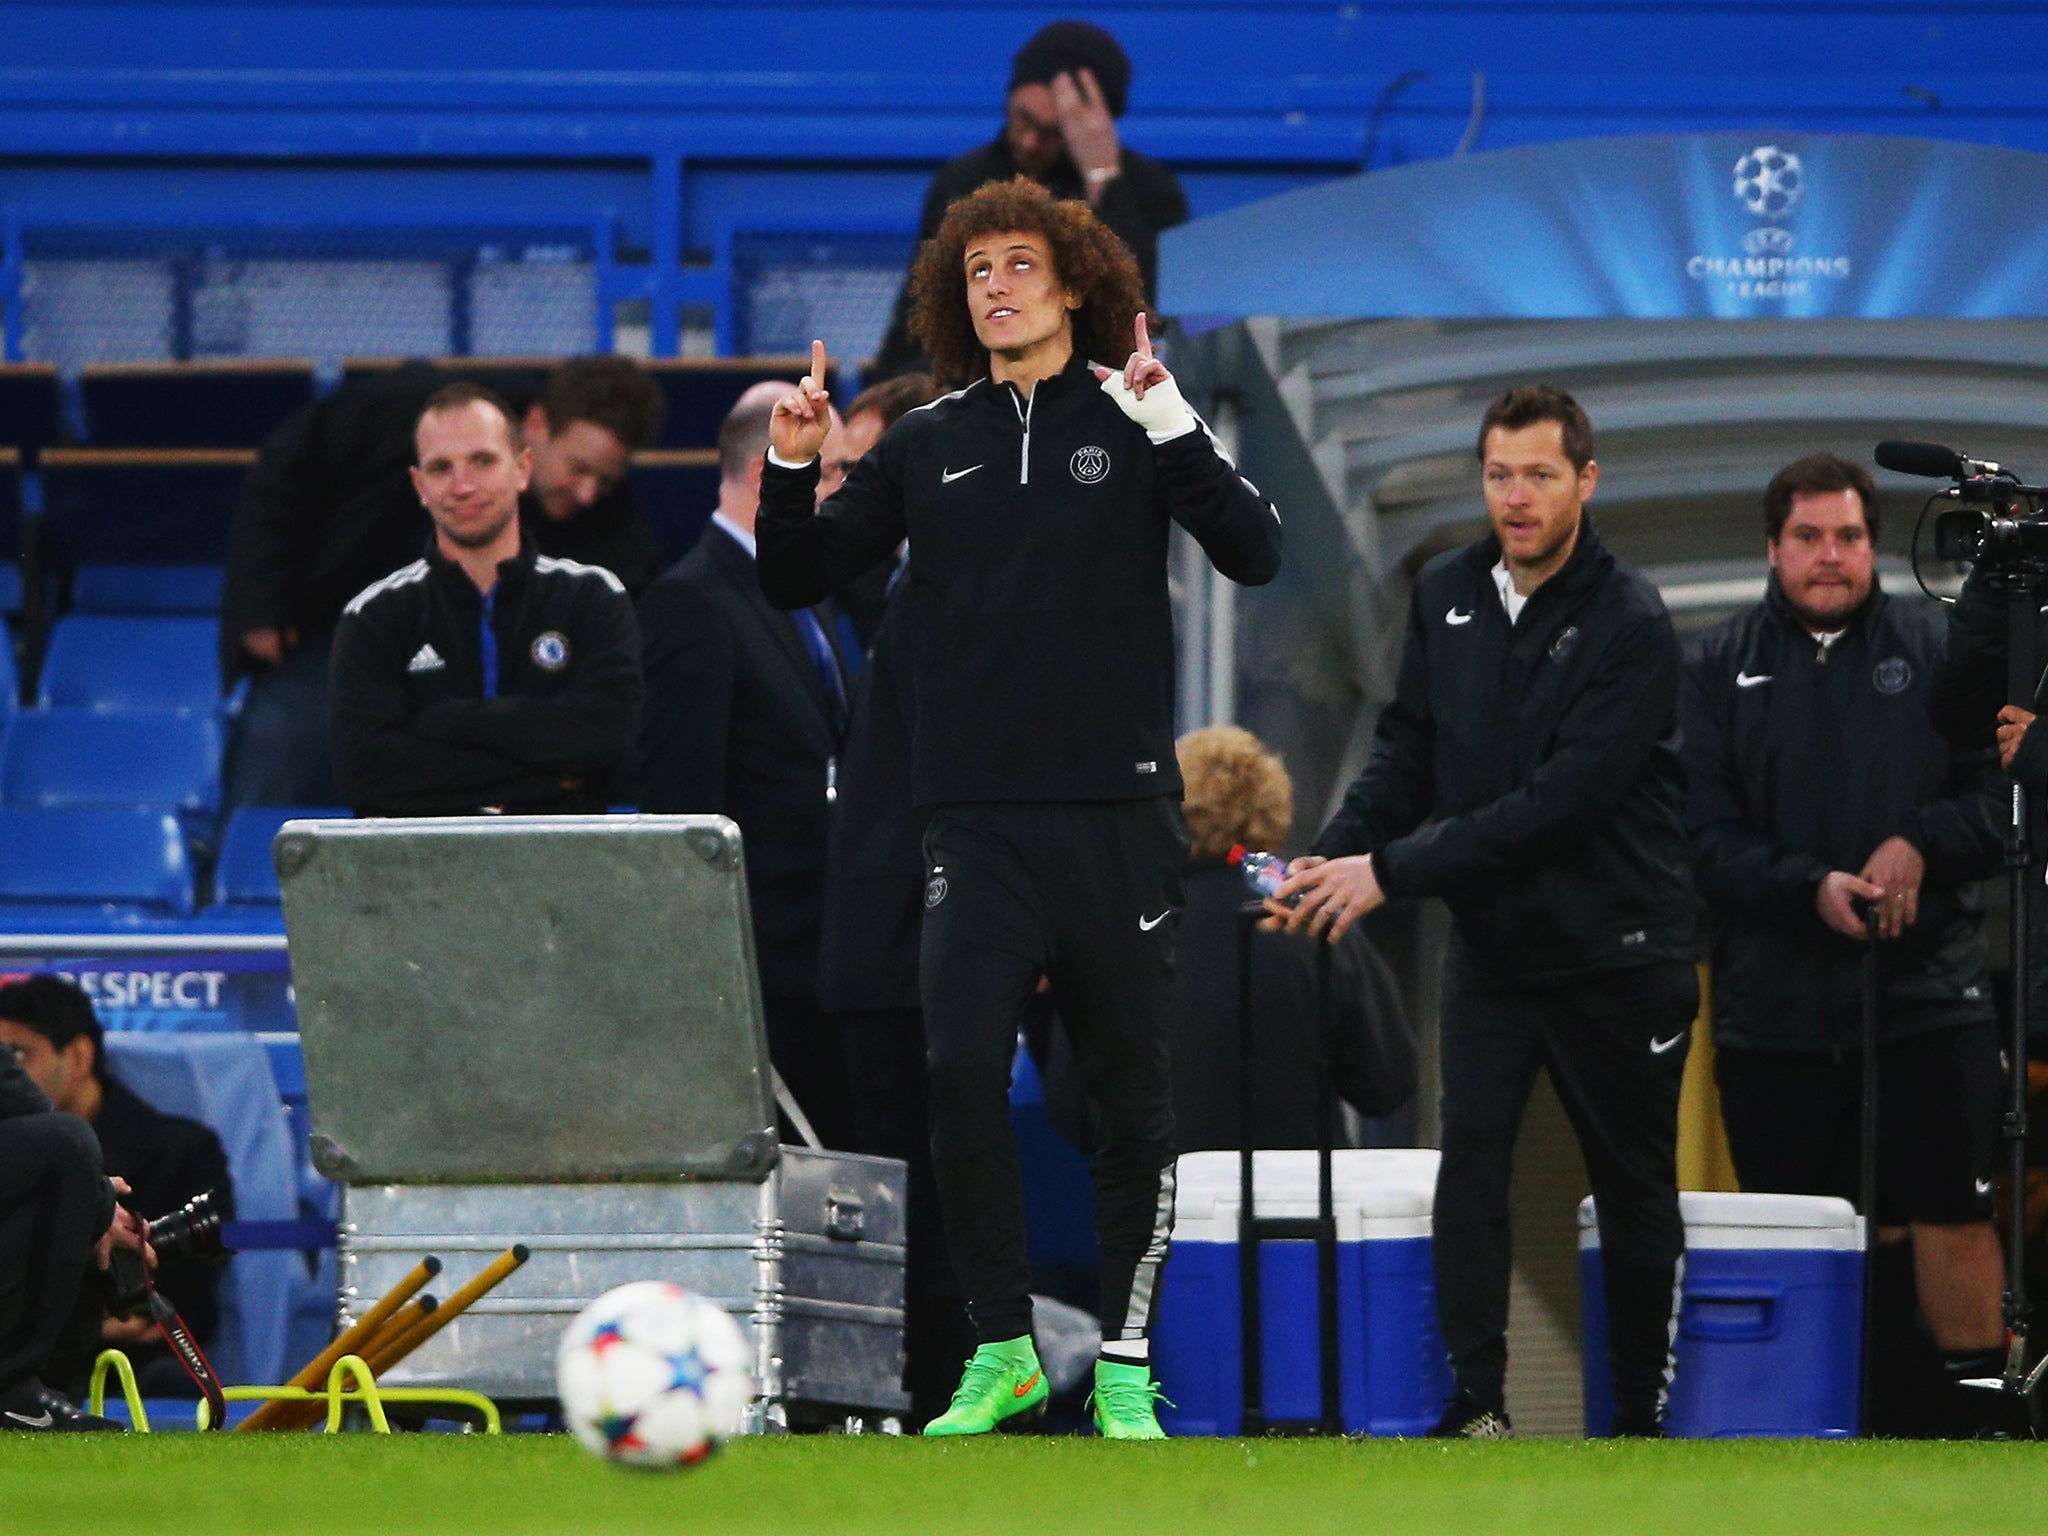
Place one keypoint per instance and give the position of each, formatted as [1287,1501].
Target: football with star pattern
[651,1375]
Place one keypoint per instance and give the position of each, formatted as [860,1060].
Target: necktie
[827,663]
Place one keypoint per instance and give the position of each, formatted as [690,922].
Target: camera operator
[1817,781]
[167,1159]
[57,1217]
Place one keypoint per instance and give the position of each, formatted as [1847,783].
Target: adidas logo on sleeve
[426,659]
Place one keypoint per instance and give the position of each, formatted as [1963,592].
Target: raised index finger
[1144,339]
[818,365]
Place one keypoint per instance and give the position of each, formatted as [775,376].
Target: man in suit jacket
[746,708]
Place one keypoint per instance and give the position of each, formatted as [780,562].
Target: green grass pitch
[371,1485]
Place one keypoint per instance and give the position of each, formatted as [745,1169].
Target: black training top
[1528,772]
[1800,759]
[412,733]
[1038,533]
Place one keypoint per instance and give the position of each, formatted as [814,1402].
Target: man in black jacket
[1526,771]
[1068,86]
[746,707]
[166,1160]
[58,1221]
[485,675]
[1816,780]
[330,506]
[1037,501]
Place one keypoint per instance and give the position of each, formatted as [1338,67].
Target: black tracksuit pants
[1614,1046]
[54,1205]
[1087,895]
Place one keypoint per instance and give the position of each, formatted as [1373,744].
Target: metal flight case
[548,1031]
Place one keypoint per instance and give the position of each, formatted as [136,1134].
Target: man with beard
[485,675]
[1526,771]
[1817,781]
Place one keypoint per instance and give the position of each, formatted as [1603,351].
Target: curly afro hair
[1237,792]
[1088,258]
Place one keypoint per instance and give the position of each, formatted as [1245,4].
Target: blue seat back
[225,1082]
[191,405]
[193,589]
[245,875]
[12,583]
[125,662]
[132,860]
[157,757]
[140,506]
[701,391]
[31,407]
[677,489]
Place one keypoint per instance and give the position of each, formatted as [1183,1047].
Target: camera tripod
[2023,590]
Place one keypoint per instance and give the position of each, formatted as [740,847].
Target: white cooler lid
[1379,1193]
[1723,1219]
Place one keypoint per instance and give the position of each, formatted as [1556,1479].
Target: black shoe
[32,1408]
[1635,1427]
[1467,1419]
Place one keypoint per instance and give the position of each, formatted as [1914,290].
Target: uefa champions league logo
[1769,181]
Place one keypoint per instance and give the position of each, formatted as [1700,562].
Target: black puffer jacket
[1528,772]
[1800,760]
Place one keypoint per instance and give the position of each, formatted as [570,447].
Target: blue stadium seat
[31,407]
[678,490]
[166,589]
[141,530]
[10,679]
[245,875]
[108,861]
[225,1081]
[165,759]
[191,405]
[12,580]
[701,390]
[122,662]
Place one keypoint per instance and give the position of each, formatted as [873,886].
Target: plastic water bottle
[1264,873]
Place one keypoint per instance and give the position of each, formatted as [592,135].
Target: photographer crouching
[58,1222]
[167,1167]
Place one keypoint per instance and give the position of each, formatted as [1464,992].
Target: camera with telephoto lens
[192,1231]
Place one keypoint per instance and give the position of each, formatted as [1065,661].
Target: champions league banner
[1729,226]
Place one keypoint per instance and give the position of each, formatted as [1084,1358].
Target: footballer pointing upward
[1037,499]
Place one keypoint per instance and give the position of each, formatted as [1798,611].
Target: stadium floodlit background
[324,182]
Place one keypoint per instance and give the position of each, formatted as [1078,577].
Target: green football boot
[1003,1382]
[1123,1399]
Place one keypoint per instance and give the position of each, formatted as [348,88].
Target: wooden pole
[280,1414]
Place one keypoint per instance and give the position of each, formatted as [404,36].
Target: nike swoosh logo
[1147,924]
[1659,1047]
[948,476]
[1983,1186]
[1455,617]
[1750,680]
[1026,1388]
[44,1422]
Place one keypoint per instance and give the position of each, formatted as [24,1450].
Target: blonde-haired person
[1239,793]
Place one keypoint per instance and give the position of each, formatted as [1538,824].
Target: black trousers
[1614,1047]
[54,1204]
[885,1070]
[1086,895]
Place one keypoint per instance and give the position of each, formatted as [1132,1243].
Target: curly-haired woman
[1037,498]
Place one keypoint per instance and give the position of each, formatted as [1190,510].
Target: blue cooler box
[1770,1325]
[1393,1376]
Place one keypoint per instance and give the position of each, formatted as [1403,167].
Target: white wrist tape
[1162,413]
